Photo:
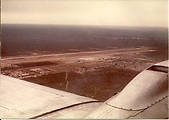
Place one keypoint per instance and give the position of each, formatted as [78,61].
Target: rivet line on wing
[127,109]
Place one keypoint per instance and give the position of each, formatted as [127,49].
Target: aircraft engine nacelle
[146,96]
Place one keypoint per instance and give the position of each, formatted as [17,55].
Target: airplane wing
[22,99]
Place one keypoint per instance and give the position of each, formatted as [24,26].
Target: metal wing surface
[22,99]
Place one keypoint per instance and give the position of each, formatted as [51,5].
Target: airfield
[94,74]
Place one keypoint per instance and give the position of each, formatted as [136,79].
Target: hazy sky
[85,12]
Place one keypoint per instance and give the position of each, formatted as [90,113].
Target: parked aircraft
[146,96]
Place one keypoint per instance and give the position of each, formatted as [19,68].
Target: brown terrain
[95,74]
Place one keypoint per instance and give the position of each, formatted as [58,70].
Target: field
[95,74]
[95,62]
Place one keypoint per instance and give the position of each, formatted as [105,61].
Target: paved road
[115,52]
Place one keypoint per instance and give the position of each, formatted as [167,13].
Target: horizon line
[84,25]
